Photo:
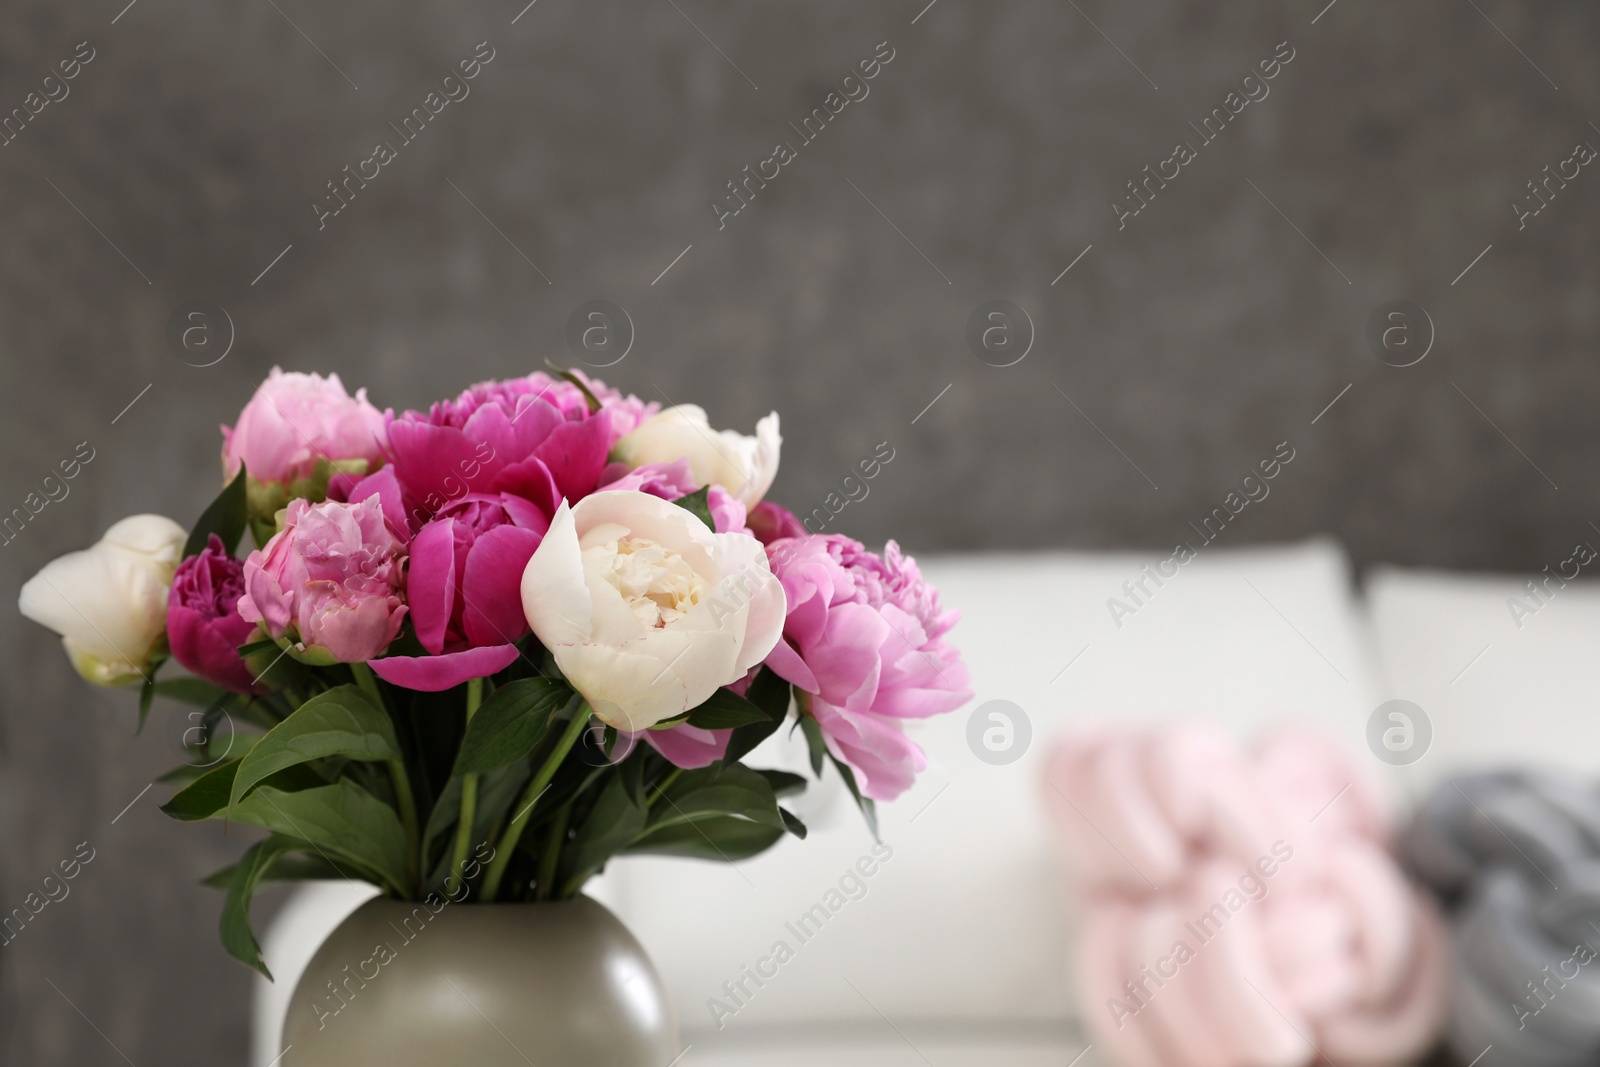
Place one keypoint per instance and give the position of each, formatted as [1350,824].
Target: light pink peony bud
[293,420]
[331,581]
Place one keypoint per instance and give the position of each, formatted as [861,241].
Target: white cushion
[1494,691]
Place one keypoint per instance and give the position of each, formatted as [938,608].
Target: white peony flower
[109,601]
[744,466]
[646,610]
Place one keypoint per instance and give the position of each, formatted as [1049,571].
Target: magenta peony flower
[295,419]
[533,437]
[330,580]
[669,481]
[204,626]
[772,522]
[464,590]
[864,637]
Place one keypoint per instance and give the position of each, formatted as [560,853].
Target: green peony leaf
[147,692]
[288,867]
[611,825]
[769,693]
[509,724]
[196,691]
[792,823]
[726,710]
[632,772]
[710,837]
[276,859]
[238,747]
[783,783]
[225,517]
[341,722]
[237,937]
[817,748]
[206,796]
[869,810]
[347,826]
[718,790]
[699,504]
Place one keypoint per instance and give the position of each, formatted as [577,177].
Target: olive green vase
[557,985]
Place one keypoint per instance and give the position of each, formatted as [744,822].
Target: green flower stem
[397,776]
[469,796]
[368,684]
[508,840]
[661,786]
[552,850]
[408,816]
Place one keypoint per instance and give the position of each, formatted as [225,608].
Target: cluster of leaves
[353,778]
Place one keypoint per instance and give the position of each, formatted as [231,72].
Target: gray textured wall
[191,148]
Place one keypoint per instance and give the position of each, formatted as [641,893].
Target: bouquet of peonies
[483,648]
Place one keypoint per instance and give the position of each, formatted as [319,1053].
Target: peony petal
[687,746]
[209,648]
[626,689]
[789,666]
[728,515]
[431,583]
[669,481]
[772,522]
[885,760]
[433,674]
[744,564]
[575,453]
[658,520]
[530,480]
[264,600]
[45,598]
[155,536]
[808,602]
[555,600]
[528,515]
[354,634]
[659,675]
[764,461]
[920,703]
[536,418]
[491,593]
[431,464]
[498,439]
[386,488]
[847,659]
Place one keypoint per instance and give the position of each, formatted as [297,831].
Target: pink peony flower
[204,626]
[669,481]
[464,590]
[330,580]
[864,637]
[533,437]
[295,419]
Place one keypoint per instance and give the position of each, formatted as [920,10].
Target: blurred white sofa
[956,954]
